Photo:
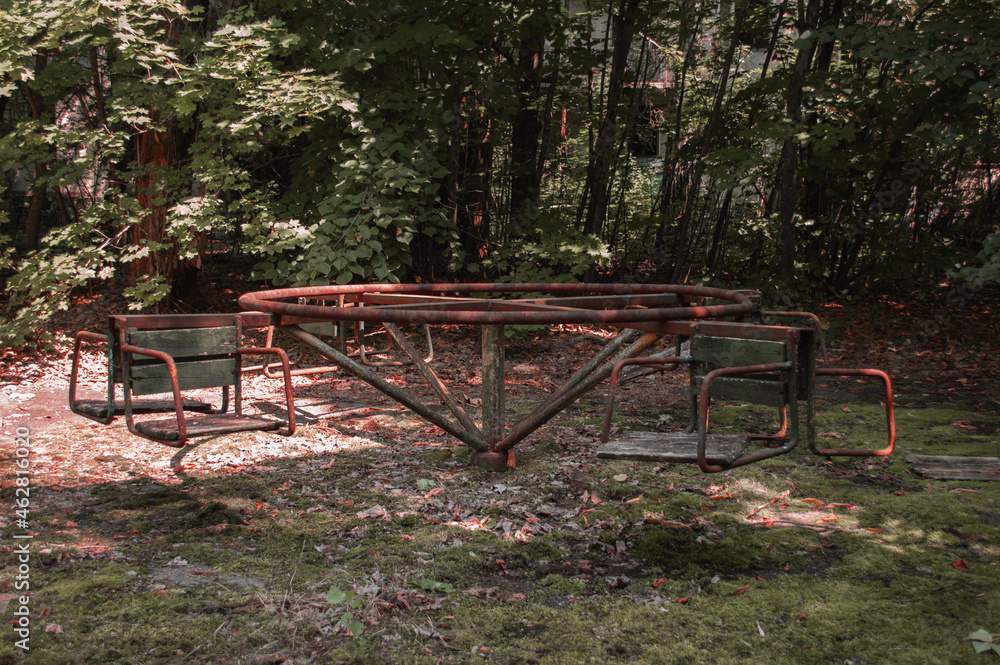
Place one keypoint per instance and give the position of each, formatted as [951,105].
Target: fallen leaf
[635,500]
[660,582]
[960,564]
[682,601]
[53,628]
[662,522]
[742,589]
[964,426]
[374,511]
[434,492]
[815,502]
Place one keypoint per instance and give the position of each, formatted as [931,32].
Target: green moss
[563,585]
[842,561]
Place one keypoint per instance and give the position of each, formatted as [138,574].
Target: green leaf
[335,596]
[428,584]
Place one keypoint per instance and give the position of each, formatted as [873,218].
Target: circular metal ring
[612,304]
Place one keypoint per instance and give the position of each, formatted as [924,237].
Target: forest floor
[368,537]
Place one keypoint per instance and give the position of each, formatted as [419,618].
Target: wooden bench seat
[772,366]
[206,425]
[105,410]
[756,364]
[97,409]
[155,355]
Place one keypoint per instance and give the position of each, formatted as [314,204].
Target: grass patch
[563,559]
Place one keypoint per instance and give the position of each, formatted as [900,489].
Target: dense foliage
[810,146]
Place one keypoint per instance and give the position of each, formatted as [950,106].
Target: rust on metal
[487,311]
[493,306]
[705,402]
[889,416]
[655,310]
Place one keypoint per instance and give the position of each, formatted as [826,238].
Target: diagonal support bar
[472,439]
[439,387]
[595,371]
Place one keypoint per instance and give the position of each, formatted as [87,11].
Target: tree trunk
[161,147]
[599,175]
[39,191]
[525,134]
[684,220]
[790,151]
[467,188]
[158,151]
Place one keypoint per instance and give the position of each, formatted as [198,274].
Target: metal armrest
[74,373]
[704,403]
[286,371]
[175,385]
[889,416]
[616,371]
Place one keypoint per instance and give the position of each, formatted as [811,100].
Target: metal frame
[800,373]
[644,312]
[361,352]
[493,306]
[75,405]
[119,357]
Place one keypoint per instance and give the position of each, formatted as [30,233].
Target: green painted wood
[150,379]
[769,393]
[734,351]
[187,342]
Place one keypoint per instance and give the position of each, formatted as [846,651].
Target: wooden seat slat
[209,373]
[673,447]
[182,343]
[206,425]
[98,408]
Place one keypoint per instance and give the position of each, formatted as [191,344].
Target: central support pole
[494,420]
